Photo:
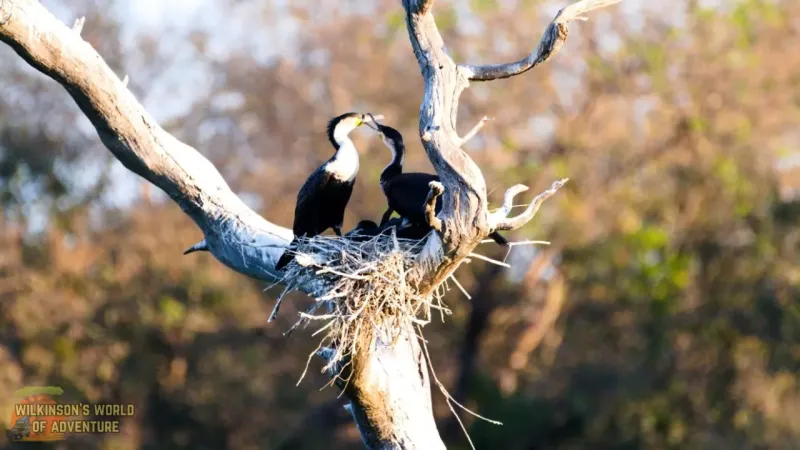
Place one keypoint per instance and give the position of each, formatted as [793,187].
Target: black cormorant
[324,196]
[364,231]
[406,193]
[407,230]
[367,229]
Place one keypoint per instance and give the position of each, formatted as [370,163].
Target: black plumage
[323,198]
[364,231]
[407,230]
[406,193]
[367,229]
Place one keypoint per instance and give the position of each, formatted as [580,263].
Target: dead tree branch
[508,202]
[552,40]
[502,222]
[236,235]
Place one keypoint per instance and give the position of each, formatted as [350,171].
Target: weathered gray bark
[389,390]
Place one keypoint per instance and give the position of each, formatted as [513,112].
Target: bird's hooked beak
[371,121]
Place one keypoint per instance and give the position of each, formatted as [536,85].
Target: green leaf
[172,311]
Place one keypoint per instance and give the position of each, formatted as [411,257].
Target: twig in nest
[463,291]
[365,286]
[286,290]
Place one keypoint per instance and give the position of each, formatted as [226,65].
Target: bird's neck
[344,163]
[395,167]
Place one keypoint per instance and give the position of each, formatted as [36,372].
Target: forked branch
[500,220]
[508,203]
[552,40]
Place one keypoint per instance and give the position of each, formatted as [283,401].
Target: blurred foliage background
[664,315]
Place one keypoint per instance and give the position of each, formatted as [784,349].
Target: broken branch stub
[472,132]
[77,27]
[436,190]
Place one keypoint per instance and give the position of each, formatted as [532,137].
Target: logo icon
[31,420]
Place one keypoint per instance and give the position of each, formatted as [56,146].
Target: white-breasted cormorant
[406,193]
[322,199]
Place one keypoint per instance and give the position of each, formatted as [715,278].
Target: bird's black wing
[306,214]
[407,193]
[306,211]
[337,200]
[417,178]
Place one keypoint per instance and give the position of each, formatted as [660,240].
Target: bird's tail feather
[499,239]
[286,257]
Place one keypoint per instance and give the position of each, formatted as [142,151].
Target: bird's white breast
[344,165]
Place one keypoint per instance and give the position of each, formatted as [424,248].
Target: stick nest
[362,285]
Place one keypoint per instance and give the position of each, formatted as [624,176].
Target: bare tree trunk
[390,395]
[389,389]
